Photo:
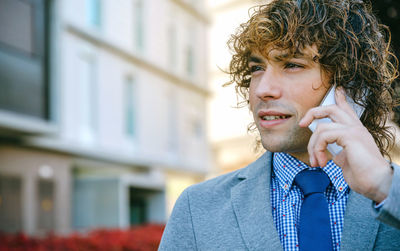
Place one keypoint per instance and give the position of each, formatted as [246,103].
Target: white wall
[153,90]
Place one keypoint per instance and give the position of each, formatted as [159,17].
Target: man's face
[282,90]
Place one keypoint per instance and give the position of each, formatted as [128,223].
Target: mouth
[269,119]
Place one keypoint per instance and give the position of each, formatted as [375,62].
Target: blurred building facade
[233,146]
[102,111]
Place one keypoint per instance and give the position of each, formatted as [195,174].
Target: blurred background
[110,108]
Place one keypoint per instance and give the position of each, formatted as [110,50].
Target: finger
[330,111]
[341,101]
[320,147]
[319,140]
[340,160]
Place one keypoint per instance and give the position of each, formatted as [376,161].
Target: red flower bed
[140,238]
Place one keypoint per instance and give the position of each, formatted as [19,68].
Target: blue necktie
[315,228]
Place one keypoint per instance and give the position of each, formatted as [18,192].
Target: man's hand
[364,168]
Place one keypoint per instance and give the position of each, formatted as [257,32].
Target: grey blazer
[233,212]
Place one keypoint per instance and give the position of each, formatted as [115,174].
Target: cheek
[252,98]
[309,96]
[316,98]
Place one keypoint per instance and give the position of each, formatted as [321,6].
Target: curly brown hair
[353,48]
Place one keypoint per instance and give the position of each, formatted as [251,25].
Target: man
[286,57]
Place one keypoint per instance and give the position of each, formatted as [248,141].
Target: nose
[269,86]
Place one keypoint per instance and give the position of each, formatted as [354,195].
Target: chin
[287,145]
[269,146]
[293,140]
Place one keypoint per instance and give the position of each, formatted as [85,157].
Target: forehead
[278,54]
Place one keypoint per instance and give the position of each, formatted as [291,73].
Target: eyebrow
[255,59]
[285,56]
[281,57]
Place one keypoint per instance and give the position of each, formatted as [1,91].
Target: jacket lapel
[360,227]
[252,206]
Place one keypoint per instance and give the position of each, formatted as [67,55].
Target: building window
[190,53]
[142,205]
[93,13]
[138,25]
[173,129]
[16,15]
[130,106]
[137,207]
[95,202]
[189,60]
[10,204]
[45,209]
[24,68]
[197,129]
[87,98]
[172,46]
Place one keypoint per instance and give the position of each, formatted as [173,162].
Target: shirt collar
[286,167]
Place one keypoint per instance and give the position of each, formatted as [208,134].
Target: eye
[255,68]
[290,65]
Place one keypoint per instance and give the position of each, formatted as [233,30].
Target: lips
[269,115]
[269,118]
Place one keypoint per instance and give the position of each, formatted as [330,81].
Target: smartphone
[329,99]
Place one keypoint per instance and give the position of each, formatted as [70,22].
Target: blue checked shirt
[286,199]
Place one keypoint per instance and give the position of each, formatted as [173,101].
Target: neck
[305,157]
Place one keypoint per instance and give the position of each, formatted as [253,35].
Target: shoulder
[220,187]
[219,183]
